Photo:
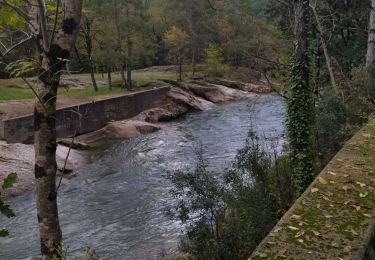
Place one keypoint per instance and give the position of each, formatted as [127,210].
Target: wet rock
[217,93]
[124,129]
[179,96]
[259,87]
[19,158]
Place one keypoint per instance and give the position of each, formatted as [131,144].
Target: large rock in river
[124,129]
[217,93]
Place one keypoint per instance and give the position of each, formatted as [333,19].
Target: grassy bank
[15,88]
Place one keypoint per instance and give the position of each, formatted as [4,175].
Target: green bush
[214,63]
[227,215]
[338,119]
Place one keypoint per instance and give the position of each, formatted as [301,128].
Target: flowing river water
[117,203]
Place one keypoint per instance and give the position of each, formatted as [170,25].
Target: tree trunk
[129,83]
[193,62]
[180,70]
[129,55]
[122,72]
[109,78]
[92,73]
[52,62]
[370,56]
[325,51]
[301,105]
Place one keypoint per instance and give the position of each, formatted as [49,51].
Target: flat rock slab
[19,158]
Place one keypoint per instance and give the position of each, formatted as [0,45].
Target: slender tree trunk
[193,36]
[370,56]
[109,78]
[325,51]
[129,83]
[193,62]
[129,45]
[301,105]
[93,80]
[180,71]
[122,72]
[52,63]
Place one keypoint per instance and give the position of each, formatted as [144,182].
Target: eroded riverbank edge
[182,98]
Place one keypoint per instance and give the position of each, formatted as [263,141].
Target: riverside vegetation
[327,80]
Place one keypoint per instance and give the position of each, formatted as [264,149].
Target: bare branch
[335,87]
[35,93]
[211,5]
[7,51]
[66,159]
[272,86]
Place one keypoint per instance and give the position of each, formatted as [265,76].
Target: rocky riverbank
[182,98]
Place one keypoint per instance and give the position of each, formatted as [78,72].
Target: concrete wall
[334,218]
[86,117]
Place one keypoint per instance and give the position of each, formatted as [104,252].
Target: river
[116,203]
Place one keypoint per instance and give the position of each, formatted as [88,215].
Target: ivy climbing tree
[300,124]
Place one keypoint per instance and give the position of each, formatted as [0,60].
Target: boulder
[259,87]
[124,129]
[217,93]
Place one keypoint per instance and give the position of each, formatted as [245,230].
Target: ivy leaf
[10,180]
[6,210]
[3,232]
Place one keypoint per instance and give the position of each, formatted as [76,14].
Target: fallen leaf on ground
[313,190]
[361,184]
[299,234]
[322,180]
[293,228]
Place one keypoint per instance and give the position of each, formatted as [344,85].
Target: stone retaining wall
[85,117]
[335,217]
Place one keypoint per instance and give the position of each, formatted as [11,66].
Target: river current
[116,203]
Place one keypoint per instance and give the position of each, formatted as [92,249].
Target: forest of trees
[318,55]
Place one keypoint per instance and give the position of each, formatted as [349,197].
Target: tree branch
[273,87]
[7,51]
[43,24]
[18,10]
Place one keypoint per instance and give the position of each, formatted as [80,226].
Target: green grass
[11,89]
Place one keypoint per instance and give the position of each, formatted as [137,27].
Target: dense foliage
[228,214]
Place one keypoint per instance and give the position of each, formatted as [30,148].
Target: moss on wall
[335,216]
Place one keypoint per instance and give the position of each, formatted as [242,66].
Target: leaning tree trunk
[109,78]
[325,50]
[370,56]
[52,60]
[301,105]
[92,74]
